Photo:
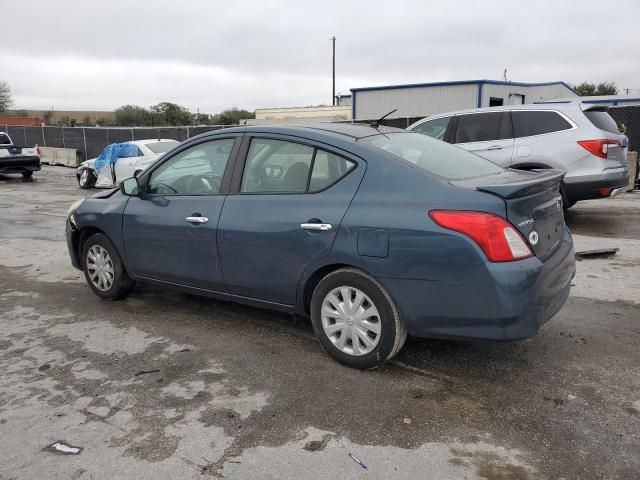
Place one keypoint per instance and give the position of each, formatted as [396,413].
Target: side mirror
[130,187]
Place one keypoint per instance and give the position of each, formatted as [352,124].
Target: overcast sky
[251,54]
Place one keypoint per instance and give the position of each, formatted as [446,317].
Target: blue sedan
[372,232]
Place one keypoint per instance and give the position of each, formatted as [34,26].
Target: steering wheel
[202,184]
[168,187]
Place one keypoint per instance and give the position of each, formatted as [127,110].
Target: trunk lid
[533,204]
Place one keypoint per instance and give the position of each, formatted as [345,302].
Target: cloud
[213,55]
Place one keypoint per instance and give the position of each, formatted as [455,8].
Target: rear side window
[327,170]
[277,166]
[483,127]
[433,128]
[602,120]
[4,139]
[438,158]
[527,124]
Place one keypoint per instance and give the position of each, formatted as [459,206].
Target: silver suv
[582,140]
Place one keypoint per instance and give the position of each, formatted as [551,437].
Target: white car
[148,152]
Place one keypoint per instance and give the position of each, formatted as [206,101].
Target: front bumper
[499,301]
[587,187]
[72,237]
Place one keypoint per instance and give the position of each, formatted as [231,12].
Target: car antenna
[376,123]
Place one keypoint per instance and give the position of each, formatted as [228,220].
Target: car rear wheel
[86,179]
[356,319]
[104,270]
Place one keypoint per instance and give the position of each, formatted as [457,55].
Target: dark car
[374,233]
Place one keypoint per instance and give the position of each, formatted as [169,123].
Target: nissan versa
[375,233]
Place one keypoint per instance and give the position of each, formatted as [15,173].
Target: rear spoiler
[515,183]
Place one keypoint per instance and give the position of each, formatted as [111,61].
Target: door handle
[323,227]
[495,147]
[197,219]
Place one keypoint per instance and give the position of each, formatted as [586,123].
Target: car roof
[505,108]
[353,131]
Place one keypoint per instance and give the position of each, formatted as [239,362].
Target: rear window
[438,158]
[160,147]
[527,124]
[602,120]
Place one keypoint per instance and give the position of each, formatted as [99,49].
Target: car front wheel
[356,319]
[104,270]
[86,179]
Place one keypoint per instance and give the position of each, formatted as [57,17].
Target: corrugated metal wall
[415,101]
[531,94]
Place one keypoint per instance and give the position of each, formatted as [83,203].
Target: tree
[86,121]
[585,89]
[132,116]
[231,116]
[6,101]
[47,116]
[167,113]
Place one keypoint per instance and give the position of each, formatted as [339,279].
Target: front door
[284,214]
[170,232]
[488,134]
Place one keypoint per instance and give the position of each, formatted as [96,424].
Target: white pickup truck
[14,159]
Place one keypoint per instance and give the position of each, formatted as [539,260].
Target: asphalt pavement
[166,385]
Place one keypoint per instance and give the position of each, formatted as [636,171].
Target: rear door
[533,144]
[488,134]
[287,201]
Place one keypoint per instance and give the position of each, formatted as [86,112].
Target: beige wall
[302,114]
[79,116]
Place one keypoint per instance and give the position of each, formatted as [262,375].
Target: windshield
[161,147]
[438,158]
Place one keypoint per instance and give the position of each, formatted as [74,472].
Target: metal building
[423,99]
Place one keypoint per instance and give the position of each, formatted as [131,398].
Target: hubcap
[100,268]
[351,321]
[84,177]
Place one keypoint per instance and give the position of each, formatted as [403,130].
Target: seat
[295,180]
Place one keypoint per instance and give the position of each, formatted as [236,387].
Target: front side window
[195,171]
[433,128]
[483,127]
[438,158]
[527,124]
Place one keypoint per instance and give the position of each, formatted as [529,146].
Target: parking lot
[166,385]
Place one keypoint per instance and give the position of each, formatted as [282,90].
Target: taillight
[599,148]
[497,238]
[38,151]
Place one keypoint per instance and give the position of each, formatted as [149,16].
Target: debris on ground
[145,372]
[44,367]
[406,421]
[597,253]
[61,447]
[357,461]
[315,445]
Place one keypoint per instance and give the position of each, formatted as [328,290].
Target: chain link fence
[630,117]
[91,141]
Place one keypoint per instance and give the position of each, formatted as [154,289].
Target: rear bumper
[587,187]
[499,301]
[19,166]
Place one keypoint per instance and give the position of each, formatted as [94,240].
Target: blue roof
[462,82]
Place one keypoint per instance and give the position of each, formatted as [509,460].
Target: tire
[115,283]
[28,174]
[86,179]
[382,346]
[566,203]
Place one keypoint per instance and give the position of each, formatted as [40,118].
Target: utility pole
[627,90]
[333,90]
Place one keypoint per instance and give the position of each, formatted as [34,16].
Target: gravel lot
[165,385]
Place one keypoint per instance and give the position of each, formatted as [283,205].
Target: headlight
[75,206]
